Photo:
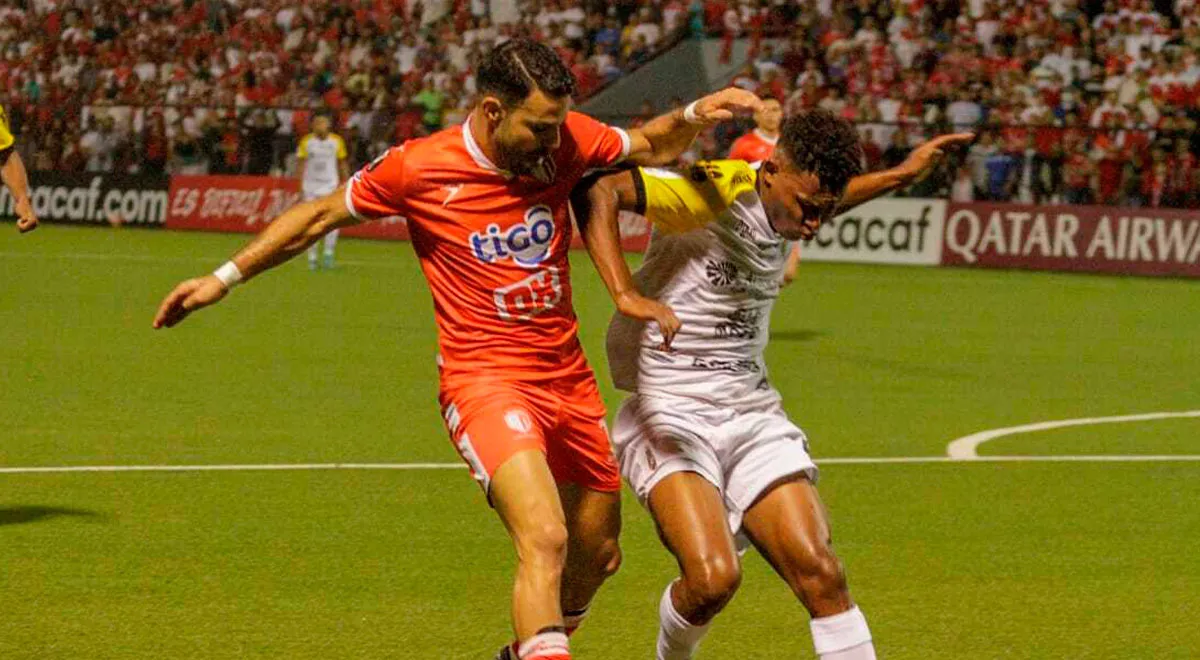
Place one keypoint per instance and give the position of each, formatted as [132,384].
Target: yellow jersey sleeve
[341,147]
[6,136]
[302,150]
[680,201]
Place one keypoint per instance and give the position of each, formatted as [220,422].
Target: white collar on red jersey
[476,152]
[763,136]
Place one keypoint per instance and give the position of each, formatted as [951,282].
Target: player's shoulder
[727,179]
[699,188]
[443,147]
[732,174]
[581,120]
[428,155]
[584,128]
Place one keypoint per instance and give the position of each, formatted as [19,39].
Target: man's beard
[540,168]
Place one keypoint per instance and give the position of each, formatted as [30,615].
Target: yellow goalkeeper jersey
[679,201]
[6,136]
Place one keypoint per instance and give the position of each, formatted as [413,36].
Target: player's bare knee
[819,577]
[608,557]
[544,544]
[712,582]
[596,556]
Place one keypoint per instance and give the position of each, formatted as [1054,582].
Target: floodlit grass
[1014,560]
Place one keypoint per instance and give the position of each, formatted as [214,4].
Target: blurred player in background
[757,145]
[321,161]
[12,172]
[487,206]
[704,441]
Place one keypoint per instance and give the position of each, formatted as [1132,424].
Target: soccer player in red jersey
[487,207]
[757,145]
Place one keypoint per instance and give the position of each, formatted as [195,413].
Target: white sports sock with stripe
[843,636]
[677,639]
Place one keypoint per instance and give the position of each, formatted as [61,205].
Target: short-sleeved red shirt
[492,247]
[752,147]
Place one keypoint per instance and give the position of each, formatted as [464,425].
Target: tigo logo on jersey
[528,243]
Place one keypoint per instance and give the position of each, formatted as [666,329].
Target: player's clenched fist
[27,220]
[926,157]
[189,296]
[724,105]
[639,307]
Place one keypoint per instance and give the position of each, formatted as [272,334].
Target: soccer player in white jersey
[703,440]
[322,165]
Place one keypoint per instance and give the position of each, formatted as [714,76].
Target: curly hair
[514,69]
[820,142]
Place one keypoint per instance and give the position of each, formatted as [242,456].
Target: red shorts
[491,421]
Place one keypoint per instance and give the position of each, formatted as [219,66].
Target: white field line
[966,448]
[962,449]
[152,258]
[848,460]
[278,467]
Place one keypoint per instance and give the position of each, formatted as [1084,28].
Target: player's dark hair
[820,142]
[514,69]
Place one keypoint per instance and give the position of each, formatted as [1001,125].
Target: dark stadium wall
[689,70]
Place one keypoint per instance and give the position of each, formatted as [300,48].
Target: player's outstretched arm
[598,203]
[14,176]
[917,166]
[663,139]
[793,265]
[288,235]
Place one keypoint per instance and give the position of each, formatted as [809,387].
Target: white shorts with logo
[742,451]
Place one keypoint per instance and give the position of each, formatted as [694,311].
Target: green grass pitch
[967,561]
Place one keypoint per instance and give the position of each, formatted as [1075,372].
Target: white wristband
[229,274]
[689,114]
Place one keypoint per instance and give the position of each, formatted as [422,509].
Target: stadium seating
[1080,101]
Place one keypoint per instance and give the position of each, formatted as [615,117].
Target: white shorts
[741,451]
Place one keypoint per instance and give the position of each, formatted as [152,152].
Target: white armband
[689,114]
[229,274]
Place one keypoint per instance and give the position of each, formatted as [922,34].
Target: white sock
[330,242]
[545,645]
[677,639]
[313,254]
[843,636]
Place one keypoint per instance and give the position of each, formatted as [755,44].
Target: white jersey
[721,279]
[321,156]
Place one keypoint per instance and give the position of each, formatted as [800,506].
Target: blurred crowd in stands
[1075,101]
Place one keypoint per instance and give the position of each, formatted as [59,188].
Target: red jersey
[1078,170]
[492,247]
[753,147]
